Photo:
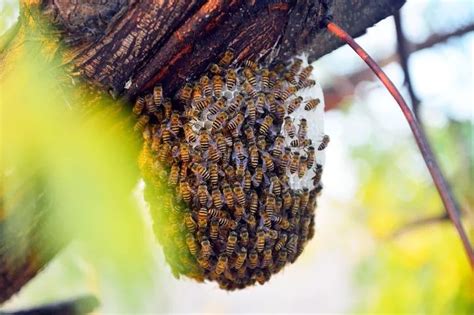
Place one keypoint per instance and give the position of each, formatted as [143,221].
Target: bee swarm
[232,179]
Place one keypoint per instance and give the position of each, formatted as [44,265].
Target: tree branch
[419,223]
[77,306]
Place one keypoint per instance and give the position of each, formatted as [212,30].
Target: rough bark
[116,44]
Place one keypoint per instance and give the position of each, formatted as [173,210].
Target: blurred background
[383,243]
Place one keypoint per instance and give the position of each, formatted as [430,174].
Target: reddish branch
[435,171]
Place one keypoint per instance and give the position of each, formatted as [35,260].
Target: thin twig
[77,306]
[419,223]
[427,153]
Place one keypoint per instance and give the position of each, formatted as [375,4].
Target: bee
[295,208]
[239,212]
[290,78]
[216,107]
[285,159]
[164,152]
[324,143]
[215,69]
[204,139]
[266,125]
[253,205]
[200,170]
[185,93]
[303,166]
[265,78]
[260,242]
[295,66]
[270,204]
[221,143]
[158,94]
[221,264]
[272,79]
[294,104]
[229,171]
[241,256]
[235,122]
[185,191]
[150,104]
[174,175]
[295,159]
[215,213]
[191,242]
[247,181]
[280,112]
[141,123]
[231,241]
[251,222]
[202,194]
[231,79]
[265,219]
[306,84]
[282,257]
[235,104]
[204,262]
[272,234]
[282,222]
[289,127]
[165,134]
[217,84]
[226,58]
[252,65]
[260,102]
[292,244]
[168,107]
[139,106]
[214,229]
[239,193]
[304,199]
[253,259]
[248,88]
[197,92]
[228,195]
[285,94]
[189,134]
[260,277]
[231,224]
[302,129]
[271,101]
[253,152]
[267,257]
[268,161]
[205,82]
[318,172]
[201,104]
[184,153]
[206,247]
[312,103]
[240,168]
[281,242]
[305,73]
[214,154]
[250,76]
[287,200]
[213,174]
[257,177]
[175,123]
[239,151]
[217,124]
[275,185]
[278,147]
[244,237]
[311,156]
[251,112]
[190,223]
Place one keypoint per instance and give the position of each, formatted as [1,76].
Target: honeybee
[190,223]
[251,222]
[231,224]
[165,134]
[215,213]
[312,103]
[213,174]
[204,262]
[185,93]
[239,193]
[285,94]
[214,153]
[217,84]
[257,177]
[202,194]
[201,104]
[268,161]
[267,257]
[260,104]
[280,112]
[205,82]
[206,247]
[139,106]
[204,139]
[214,229]
[278,147]
[247,181]
[215,69]
[260,242]
[285,159]
[282,257]
[302,129]
[221,264]
[281,242]
[271,101]
[272,79]
[265,78]
[239,151]
[150,104]
[295,66]
[229,172]
[158,94]
[253,152]
[270,204]
[235,122]
[252,65]
[236,102]
[318,172]
[240,167]
[185,191]
[253,205]
[294,104]
[189,134]
[241,256]
[275,185]
[287,200]
[141,123]
[251,112]
[295,208]
[191,242]
[266,125]
[295,159]
[289,127]
[168,107]
[305,73]
[311,156]
[324,143]
[244,237]
[226,58]
[217,106]
[221,143]
[231,242]
[292,244]
[217,124]
[248,88]
[231,79]
[253,259]
[282,222]
[164,152]
[228,195]
[306,84]
[250,76]
[303,166]
[200,170]
[174,175]
[304,199]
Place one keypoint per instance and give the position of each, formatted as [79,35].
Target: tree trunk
[125,47]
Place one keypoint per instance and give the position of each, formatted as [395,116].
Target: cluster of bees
[219,173]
